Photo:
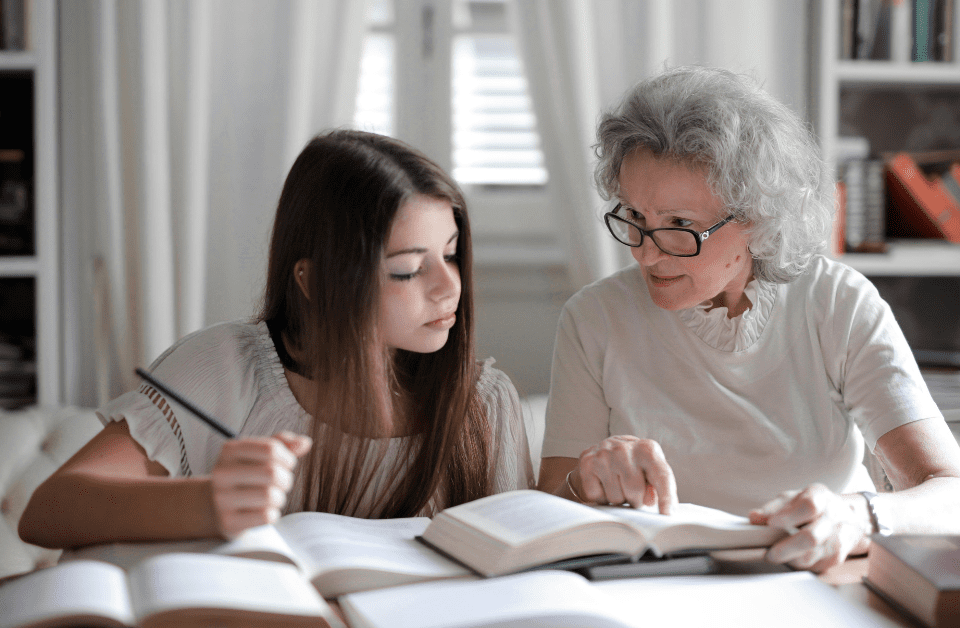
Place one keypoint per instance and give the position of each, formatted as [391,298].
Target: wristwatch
[878,526]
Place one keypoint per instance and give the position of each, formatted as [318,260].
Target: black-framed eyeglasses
[674,241]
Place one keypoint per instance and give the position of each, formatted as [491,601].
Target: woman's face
[667,193]
[420,276]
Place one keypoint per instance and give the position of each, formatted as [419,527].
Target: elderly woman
[734,366]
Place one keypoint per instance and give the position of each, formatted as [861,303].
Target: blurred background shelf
[30,347]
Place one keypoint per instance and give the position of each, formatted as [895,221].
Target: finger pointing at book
[625,470]
[251,479]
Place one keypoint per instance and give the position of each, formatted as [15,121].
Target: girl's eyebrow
[418,250]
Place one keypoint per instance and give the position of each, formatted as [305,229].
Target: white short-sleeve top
[775,399]
[233,372]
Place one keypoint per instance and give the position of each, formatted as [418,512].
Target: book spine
[921,30]
[901,37]
[14,25]
[874,198]
[848,29]
[856,210]
[839,224]
[943,30]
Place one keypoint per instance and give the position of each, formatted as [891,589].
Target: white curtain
[180,119]
[559,48]
[581,55]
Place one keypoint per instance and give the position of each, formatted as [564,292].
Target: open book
[538,599]
[170,590]
[337,554]
[560,599]
[519,530]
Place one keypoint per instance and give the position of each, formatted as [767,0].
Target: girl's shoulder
[230,355]
[496,390]
[226,340]
[491,378]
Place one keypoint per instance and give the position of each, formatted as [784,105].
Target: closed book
[924,207]
[919,574]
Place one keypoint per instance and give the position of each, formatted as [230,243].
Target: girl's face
[665,193]
[420,276]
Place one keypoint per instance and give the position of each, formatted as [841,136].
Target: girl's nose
[447,282]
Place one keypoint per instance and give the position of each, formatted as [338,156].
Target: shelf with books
[29,238]
[871,84]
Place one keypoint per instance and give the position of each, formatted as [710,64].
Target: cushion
[34,442]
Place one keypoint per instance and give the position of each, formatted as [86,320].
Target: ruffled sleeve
[510,461]
[215,369]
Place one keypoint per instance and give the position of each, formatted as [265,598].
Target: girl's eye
[405,276]
[451,258]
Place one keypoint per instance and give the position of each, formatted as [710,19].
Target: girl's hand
[251,479]
[625,469]
[828,527]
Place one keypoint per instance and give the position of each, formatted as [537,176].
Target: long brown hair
[336,209]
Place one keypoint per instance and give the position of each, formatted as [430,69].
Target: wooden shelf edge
[19,266]
[899,73]
[909,258]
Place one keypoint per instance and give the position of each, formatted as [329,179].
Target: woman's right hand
[625,469]
[251,479]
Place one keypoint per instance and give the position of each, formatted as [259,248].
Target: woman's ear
[301,272]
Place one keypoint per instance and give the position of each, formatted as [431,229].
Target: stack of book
[862,198]
[387,572]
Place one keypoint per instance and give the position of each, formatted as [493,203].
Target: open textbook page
[559,599]
[167,590]
[337,554]
[519,530]
[540,599]
[343,554]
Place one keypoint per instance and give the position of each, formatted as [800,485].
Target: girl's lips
[444,323]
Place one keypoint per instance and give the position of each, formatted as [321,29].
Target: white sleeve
[202,367]
[879,380]
[510,461]
[577,415]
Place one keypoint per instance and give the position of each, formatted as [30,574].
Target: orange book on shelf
[839,236]
[925,206]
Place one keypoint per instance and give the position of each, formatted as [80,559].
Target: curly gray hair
[762,160]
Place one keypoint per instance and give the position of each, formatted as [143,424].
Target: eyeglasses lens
[671,241]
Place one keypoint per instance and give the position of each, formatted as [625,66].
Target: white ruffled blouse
[740,332]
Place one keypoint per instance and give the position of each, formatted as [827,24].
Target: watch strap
[878,526]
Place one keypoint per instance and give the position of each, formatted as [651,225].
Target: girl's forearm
[74,509]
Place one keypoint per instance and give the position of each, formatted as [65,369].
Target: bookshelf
[29,233]
[874,86]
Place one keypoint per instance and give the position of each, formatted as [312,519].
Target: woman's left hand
[826,527]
